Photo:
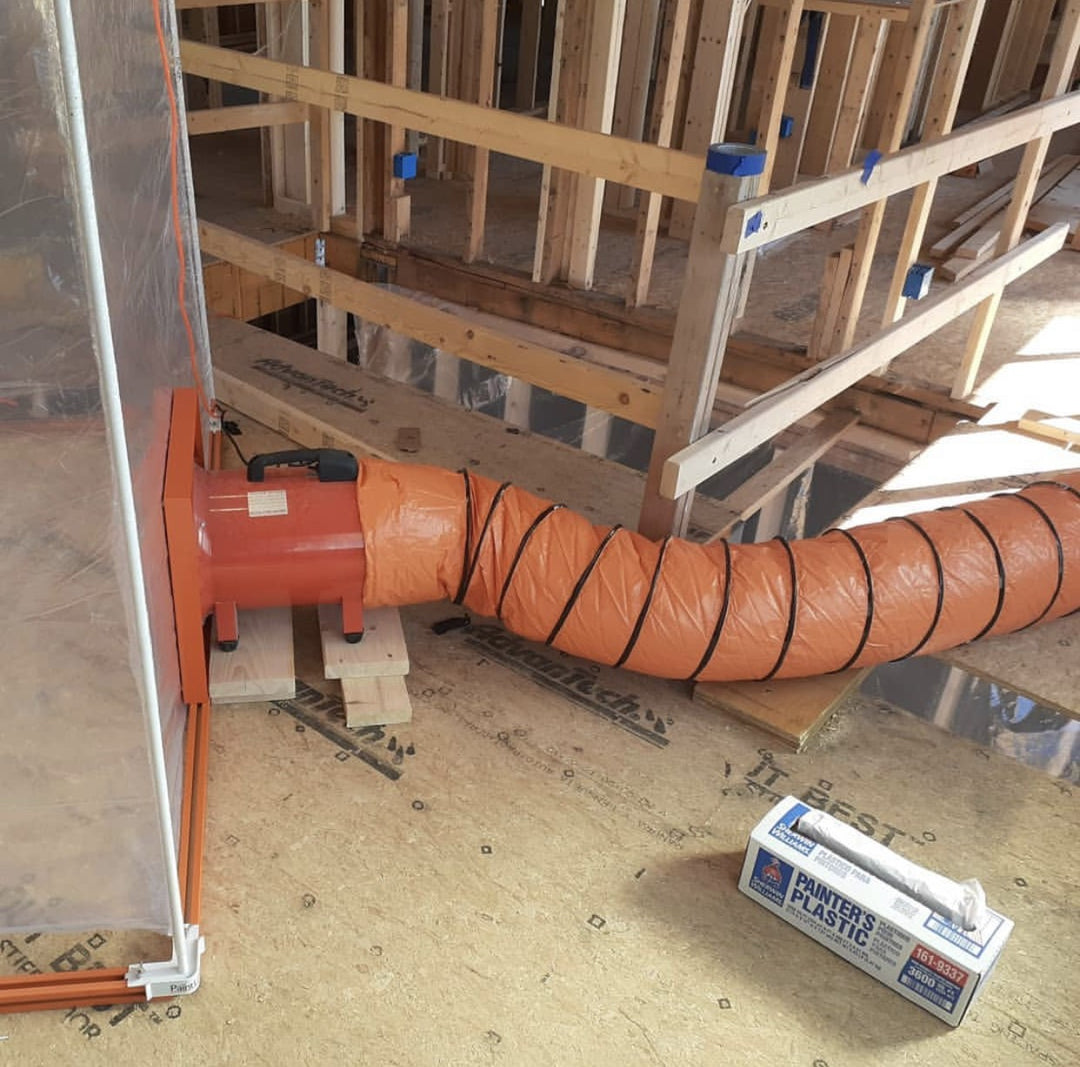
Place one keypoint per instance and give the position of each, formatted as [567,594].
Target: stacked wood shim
[371,672]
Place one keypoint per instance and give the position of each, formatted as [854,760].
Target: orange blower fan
[326,529]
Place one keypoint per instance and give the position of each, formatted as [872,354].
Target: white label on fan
[270,502]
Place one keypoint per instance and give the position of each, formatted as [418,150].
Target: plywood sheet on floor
[527,874]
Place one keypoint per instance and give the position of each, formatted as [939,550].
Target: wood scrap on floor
[791,709]
[1065,429]
[974,234]
[372,671]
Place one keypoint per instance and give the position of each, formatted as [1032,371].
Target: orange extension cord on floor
[721,612]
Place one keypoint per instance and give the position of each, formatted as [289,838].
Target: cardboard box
[883,931]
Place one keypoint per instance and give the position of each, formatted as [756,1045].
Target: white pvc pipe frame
[101,327]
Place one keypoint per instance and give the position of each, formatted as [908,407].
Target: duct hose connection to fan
[721,612]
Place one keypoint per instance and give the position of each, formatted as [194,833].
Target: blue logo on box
[783,831]
[771,877]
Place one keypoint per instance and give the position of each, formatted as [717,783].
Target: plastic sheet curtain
[81,832]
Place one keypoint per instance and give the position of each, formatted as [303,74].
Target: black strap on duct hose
[580,584]
[869,575]
[536,523]
[636,632]
[1060,553]
[1000,572]
[940,582]
[792,610]
[720,619]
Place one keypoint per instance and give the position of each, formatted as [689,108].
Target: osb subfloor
[525,876]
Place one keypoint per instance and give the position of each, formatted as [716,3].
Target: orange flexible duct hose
[721,612]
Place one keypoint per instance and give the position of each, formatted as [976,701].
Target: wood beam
[779,54]
[596,155]
[794,210]
[828,94]
[611,391]
[706,312]
[485,30]
[773,412]
[528,54]
[244,117]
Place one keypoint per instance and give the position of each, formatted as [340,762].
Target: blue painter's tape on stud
[739,160]
[787,126]
[753,224]
[917,282]
[871,161]
[405,165]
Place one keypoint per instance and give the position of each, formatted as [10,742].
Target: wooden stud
[632,87]
[711,289]
[528,54]
[867,50]
[261,667]
[799,102]
[836,51]
[486,12]
[715,55]
[958,40]
[810,203]
[672,48]
[597,113]
[1063,60]
[777,58]
[834,282]
[901,75]
[435,157]
[396,208]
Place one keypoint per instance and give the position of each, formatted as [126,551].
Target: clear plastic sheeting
[81,833]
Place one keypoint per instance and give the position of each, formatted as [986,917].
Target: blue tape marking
[871,161]
[738,160]
[753,224]
[787,126]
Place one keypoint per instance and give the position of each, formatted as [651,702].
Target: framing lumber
[598,109]
[834,281]
[397,205]
[672,49]
[803,206]
[482,90]
[244,117]
[595,155]
[528,55]
[262,666]
[774,478]
[715,55]
[706,312]
[899,77]
[868,46]
[958,40]
[799,102]
[778,58]
[751,363]
[376,701]
[632,91]
[771,413]
[616,393]
[438,58]
[833,62]
[1062,65]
